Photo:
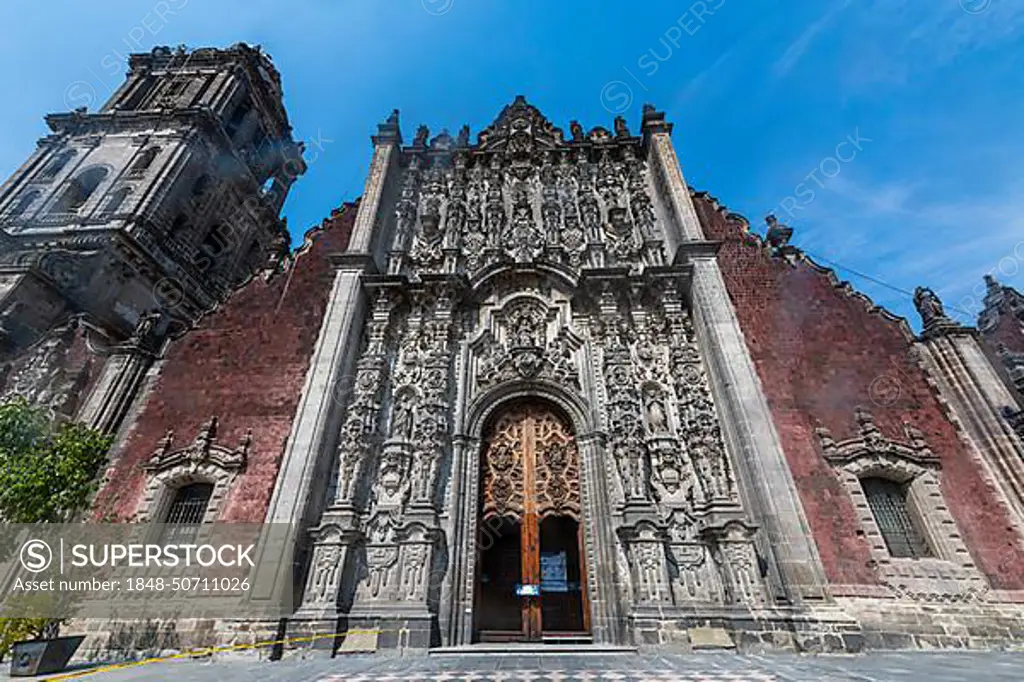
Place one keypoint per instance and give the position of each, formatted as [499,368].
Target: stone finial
[245,443]
[442,141]
[389,130]
[207,433]
[654,120]
[164,446]
[929,305]
[916,438]
[828,443]
[993,292]
[463,138]
[865,422]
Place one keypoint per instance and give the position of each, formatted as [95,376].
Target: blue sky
[927,190]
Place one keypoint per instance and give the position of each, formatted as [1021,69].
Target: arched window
[57,165]
[145,160]
[24,202]
[888,502]
[117,200]
[80,189]
[186,512]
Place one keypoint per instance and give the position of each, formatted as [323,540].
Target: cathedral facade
[530,387]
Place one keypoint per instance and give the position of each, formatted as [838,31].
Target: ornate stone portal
[528,267]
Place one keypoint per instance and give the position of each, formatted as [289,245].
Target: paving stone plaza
[699,667]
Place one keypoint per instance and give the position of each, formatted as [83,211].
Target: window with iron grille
[186,513]
[888,502]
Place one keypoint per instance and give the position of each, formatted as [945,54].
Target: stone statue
[779,234]
[422,133]
[929,306]
[463,139]
[621,129]
[577,131]
[657,421]
[404,417]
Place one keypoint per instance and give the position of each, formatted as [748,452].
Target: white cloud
[796,49]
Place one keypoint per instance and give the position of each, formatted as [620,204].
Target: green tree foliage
[48,472]
[47,469]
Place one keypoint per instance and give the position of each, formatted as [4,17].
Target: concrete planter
[43,656]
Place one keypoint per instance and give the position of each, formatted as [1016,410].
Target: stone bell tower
[152,209]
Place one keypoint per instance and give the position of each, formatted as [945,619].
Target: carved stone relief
[523,195]
[47,376]
[525,342]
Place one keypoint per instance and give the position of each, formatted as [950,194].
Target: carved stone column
[399,571]
[339,532]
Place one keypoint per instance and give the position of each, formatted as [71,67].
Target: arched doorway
[531,582]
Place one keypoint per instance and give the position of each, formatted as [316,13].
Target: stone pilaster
[603,585]
[765,480]
[306,467]
[464,502]
[116,390]
[978,398]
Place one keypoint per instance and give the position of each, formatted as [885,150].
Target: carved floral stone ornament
[47,376]
[203,451]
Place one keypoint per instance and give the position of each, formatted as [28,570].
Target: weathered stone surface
[710,638]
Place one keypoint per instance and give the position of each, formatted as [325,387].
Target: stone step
[534,649]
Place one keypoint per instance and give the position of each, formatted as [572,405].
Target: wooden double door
[531,580]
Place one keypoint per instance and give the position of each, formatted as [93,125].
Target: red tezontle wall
[245,363]
[818,348]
